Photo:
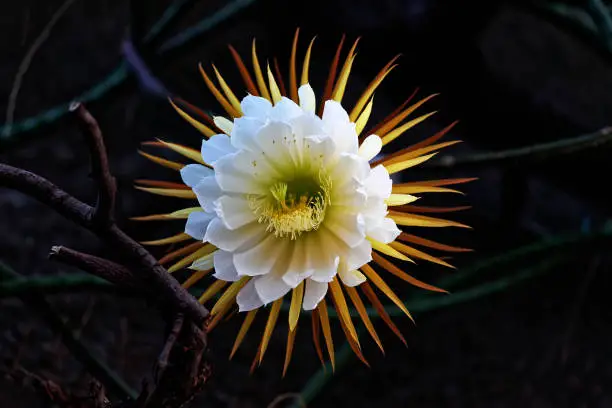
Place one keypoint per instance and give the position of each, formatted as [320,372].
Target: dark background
[513,74]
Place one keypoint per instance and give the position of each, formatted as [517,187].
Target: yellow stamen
[291,214]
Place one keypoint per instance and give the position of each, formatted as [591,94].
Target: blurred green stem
[316,383]
[525,155]
[96,367]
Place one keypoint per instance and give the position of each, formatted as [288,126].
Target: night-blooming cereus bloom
[293,201]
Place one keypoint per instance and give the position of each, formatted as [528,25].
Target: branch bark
[184,370]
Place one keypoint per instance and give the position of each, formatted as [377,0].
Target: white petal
[344,136]
[197,224]
[192,174]
[207,191]
[314,293]
[256,106]
[270,288]
[261,257]
[244,132]
[305,125]
[378,183]
[234,211]
[370,147]
[321,255]
[348,227]
[258,165]
[275,140]
[285,110]
[319,150]
[385,232]
[334,112]
[348,169]
[203,264]
[298,269]
[216,147]
[358,256]
[224,266]
[231,240]
[224,124]
[234,180]
[307,98]
[247,298]
[352,278]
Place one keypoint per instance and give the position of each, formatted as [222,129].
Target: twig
[162,360]
[144,263]
[107,189]
[183,377]
[182,380]
[103,268]
[27,60]
[525,155]
[51,317]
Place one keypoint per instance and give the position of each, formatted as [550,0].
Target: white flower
[295,203]
[291,198]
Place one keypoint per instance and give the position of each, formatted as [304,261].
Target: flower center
[294,206]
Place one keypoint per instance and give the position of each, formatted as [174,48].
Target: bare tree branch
[107,186]
[100,267]
[182,369]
